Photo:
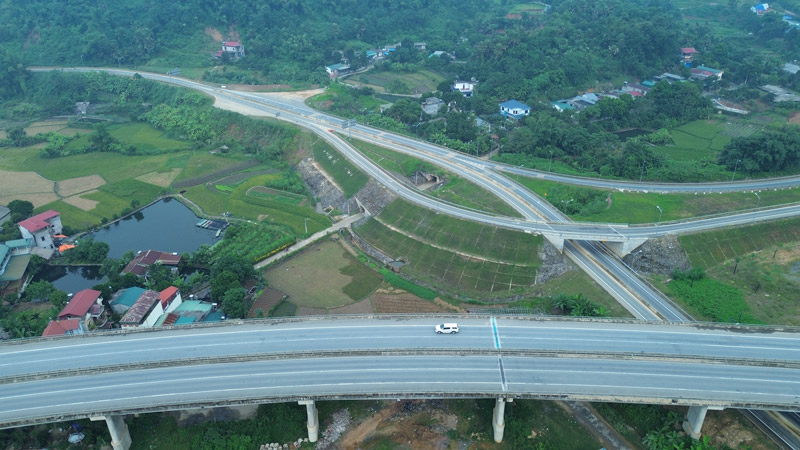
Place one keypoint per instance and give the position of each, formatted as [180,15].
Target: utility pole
[757,204]
[550,169]
[641,174]
[305,223]
[660,213]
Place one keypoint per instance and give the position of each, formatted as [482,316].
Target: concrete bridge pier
[120,436]
[313,419]
[498,419]
[694,420]
[623,248]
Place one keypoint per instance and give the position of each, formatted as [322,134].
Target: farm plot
[276,195]
[28,186]
[74,186]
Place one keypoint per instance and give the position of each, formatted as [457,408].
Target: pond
[167,226]
[71,279]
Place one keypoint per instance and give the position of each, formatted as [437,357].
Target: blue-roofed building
[515,109]
[215,316]
[14,258]
[562,105]
[186,320]
[337,69]
[123,300]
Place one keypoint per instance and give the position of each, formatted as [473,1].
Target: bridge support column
[694,420]
[313,419]
[498,419]
[557,241]
[120,436]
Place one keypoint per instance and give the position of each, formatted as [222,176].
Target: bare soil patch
[795,118]
[82,203]
[397,301]
[228,105]
[296,95]
[163,179]
[727,428]
[214,33]
[74,186]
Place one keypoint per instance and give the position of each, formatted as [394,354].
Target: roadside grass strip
[715,247]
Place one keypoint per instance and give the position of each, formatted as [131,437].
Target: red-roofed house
[41,227]
[86,305]
[170,299]
[143,260]
[233,48]
[688,53]
[64,327]
[144,312]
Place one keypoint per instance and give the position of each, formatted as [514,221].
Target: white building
[41,227]
[465,87]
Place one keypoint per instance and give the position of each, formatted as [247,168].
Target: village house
[86,305]
[41,228]
[432,105]
[514,109]
[144,312]
[190,312]
[687,53]
[760,9]
[465,87]
[14,258]
[703,72]
[68,327]
[234,49]
[336,70]
[420,45]
[791,68]
[140,264]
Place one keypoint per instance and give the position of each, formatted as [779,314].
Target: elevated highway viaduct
[106,375]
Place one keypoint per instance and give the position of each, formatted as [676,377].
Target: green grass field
[444,252]
[346,175]
[416,82]
[472,238]
[323,276]
[276,195]
[456,190]
[239,204]
[715,247]
[695,140]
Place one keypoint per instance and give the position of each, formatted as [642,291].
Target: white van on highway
[446,328]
